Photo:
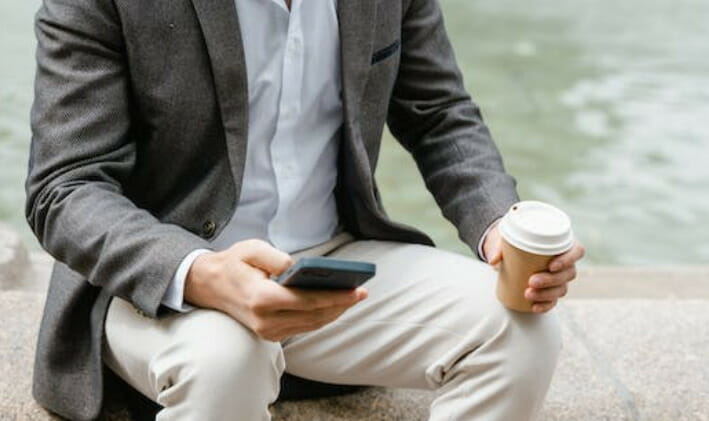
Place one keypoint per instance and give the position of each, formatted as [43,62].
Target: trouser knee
[231,376]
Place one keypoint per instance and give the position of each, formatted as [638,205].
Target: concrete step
[629,359]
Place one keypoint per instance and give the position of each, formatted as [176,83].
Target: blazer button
[208,229]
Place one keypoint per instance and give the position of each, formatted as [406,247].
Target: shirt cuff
[481,249]
[174,297]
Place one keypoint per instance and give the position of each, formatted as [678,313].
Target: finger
[546,279]
[305,299]
[543,307]
[568,259]
[264,256]
[292,322]
[315,318]
[496,257]
[545,294]
[286,298]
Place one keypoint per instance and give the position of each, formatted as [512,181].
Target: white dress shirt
[295,115]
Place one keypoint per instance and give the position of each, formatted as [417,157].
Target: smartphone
[327,273]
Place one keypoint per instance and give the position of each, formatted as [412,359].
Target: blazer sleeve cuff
[481,243]
[174,297]
[482,220]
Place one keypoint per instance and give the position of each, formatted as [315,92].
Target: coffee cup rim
[535,243]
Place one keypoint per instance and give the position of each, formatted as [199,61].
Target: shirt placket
[283,148]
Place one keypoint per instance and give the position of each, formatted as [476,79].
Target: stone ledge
[657,282]
[622,360]
[14,259]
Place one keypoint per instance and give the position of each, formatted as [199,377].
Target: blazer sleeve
[433,117]
[81,154]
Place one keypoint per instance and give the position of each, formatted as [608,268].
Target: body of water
[599,107]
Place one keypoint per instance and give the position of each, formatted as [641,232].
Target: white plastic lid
[537,228]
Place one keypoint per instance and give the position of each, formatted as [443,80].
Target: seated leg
[432,321]
[201,365]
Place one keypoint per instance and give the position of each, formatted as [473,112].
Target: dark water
[600,107]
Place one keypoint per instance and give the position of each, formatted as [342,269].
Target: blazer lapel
[222,34]
[356,18]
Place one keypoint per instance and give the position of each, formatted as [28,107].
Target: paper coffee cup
[532,234]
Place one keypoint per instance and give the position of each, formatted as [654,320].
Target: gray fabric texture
[138,143]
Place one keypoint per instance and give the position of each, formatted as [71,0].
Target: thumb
[496,256]
[264,256]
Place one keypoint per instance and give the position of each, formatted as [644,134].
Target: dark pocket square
[386,52]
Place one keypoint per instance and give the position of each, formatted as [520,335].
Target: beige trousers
[431,321]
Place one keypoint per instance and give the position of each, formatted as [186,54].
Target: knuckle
[287,259]
[284,264]
[258,308]
[543,282]
[254,243]
[256,304]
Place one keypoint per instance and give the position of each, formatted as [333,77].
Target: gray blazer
[139,135]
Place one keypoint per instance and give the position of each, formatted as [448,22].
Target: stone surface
[14,260]
[664,282]
[622,360]
[20,313]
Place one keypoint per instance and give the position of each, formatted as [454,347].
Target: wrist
[202,281]
[490,241]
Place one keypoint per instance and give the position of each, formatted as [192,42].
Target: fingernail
[555,266]
[528,293]
[536,281]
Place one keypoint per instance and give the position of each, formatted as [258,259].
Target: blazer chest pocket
[386,52]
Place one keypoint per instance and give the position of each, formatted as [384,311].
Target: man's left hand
[545,288]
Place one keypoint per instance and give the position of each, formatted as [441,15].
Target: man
[183,148]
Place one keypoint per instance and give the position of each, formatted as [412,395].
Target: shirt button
[208,229]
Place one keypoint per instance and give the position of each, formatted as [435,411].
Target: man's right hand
[236,282]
